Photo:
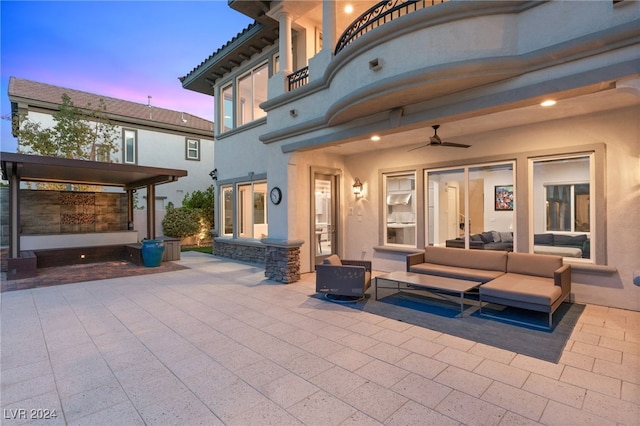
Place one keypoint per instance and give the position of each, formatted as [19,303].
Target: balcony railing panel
[298,78]
[378,15]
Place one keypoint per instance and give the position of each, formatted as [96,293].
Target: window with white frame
[562,209]
[193,149]
[400,209]
[130,146]
[226,217]
[227,109]
[472,207]
[244,212]
[252,91]
[252,210]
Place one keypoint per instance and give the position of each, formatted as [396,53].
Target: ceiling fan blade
[455,145]
[418,147]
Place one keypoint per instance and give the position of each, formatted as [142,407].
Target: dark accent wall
[68,212]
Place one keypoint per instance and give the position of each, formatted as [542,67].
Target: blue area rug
[442,315]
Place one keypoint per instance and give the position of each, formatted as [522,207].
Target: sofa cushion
[506,237]
[332,260]
[543,239]
[496,236]
[487,237]
[540,265]
[569,240]
[480,275]
[476,237]
[475,259]
[522,288]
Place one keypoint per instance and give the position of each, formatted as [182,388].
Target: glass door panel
[324,216]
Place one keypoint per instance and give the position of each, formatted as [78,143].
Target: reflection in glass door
[324,216]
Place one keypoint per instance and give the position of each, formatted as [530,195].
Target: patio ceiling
[36,168]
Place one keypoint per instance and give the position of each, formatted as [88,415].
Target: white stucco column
[286,54]
[329,25]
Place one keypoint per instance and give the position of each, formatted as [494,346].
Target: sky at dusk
[122,49]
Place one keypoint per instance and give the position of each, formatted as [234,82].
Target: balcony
[376,16]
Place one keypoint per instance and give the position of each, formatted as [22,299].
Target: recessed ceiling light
[548,103]
[348,9]
[375,138]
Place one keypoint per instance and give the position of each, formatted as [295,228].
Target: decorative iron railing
[378,15]
[298,78]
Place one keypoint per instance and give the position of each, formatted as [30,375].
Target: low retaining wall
[280,257]
[246,251]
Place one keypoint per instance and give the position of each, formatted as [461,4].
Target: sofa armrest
[562,278]
[415,259]
[366,264]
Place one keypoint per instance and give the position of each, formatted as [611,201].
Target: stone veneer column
[282,260]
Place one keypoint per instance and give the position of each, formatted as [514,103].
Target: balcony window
[227,108]
[252,91]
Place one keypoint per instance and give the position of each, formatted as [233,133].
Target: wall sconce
[357,188]
[214,174]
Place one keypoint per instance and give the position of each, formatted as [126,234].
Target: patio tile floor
[218,344]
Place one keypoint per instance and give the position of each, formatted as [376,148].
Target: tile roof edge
[12,93]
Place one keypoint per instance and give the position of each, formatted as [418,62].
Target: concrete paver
[219,344]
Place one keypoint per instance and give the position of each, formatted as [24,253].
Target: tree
[79,134]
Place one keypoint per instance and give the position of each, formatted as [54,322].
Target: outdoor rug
[444,316]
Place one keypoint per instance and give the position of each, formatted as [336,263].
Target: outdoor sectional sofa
[530,281]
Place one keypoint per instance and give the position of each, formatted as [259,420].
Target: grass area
[201,249]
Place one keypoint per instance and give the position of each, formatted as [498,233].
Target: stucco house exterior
[148,136]
[374,131]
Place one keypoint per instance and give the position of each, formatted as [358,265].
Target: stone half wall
[280,258]
[246,251]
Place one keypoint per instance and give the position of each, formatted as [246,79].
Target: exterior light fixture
[548,103]
[214,174]
[375,138]
[357,188]
[348,9]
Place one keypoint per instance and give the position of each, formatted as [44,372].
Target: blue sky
[122,49]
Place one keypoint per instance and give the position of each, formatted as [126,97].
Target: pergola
[34,168]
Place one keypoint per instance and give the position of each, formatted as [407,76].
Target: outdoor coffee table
[431,283]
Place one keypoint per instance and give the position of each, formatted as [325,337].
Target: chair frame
[348,279]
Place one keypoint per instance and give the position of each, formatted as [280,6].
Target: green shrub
[181,222]
[204,202]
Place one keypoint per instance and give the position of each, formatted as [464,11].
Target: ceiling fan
[436,141]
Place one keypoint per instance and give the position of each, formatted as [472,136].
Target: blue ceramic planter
[152,251]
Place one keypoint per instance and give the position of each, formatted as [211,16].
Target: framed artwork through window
[503,199]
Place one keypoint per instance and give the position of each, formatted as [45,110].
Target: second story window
[227,108]
[193,149]
[130,146]
[252,91]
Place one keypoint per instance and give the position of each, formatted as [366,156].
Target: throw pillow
[506,237]
[487,237]
[496,236]
[332,260]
